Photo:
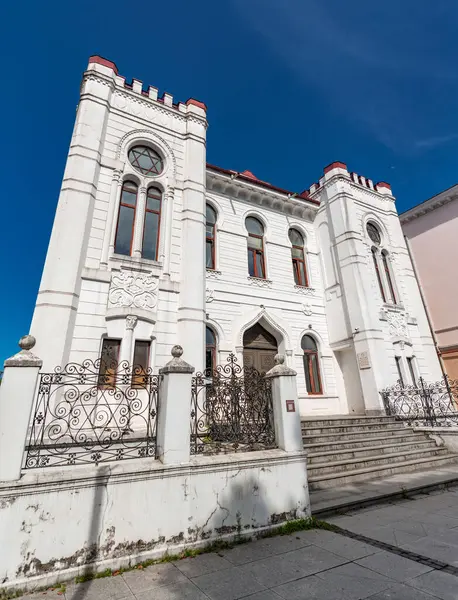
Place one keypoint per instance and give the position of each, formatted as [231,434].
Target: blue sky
[290,85]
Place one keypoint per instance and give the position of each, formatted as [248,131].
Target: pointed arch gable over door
[259,348]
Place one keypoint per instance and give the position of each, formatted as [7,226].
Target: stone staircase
[343,450]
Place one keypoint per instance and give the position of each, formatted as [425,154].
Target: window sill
[134,262]
[213,273]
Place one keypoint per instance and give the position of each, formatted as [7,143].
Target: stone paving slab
[310,565]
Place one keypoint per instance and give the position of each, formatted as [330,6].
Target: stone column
[139,223]
[167,245]
[174,416]
[17,396]
[127,340]
[287,419]
[191,310]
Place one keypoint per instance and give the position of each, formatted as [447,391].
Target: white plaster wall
[125,513]
[234,300]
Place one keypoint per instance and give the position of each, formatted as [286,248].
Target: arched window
[152,225]
[377,272]
[380,259]
[311,365]
[387,269]
[210,239]
[126,219]
[256,265]
[210,350]
[297,254]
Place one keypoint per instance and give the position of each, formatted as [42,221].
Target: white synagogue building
[152,247]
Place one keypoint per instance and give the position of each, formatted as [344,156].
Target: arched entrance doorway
[259,348]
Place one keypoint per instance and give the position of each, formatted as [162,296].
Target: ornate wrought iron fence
[91,413]
[424,404]
[231,410]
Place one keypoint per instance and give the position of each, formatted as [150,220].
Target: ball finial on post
[177,351]
[27,342]
[279,359]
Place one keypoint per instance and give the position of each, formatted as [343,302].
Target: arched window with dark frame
[152,223]
[377,272]
[311,365]
[298,257]
[210,237]
[255,244]
[382,266]
[387,269]
[126,218]
[210,350]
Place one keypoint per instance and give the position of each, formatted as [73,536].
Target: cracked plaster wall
[54,529]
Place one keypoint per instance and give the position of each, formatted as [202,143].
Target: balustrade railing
[424,404]
[88,413]
[231,410]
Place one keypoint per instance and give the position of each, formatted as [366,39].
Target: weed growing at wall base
[287,528]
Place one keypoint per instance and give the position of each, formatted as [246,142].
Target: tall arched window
[311,365]
[210,350]
[387,269]
[381,265]
[256,265]
[297,253]
[377,272]
[126,218]
[210,239]
[152,225]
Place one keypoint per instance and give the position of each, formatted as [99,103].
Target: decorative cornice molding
[213,274]
[307,291]
[428,206]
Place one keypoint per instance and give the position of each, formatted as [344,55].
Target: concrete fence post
[286,414]
[174,414]
[17,395]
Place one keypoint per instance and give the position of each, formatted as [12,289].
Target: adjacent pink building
[431,231]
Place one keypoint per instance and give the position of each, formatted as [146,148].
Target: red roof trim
[197,103]
[103,61]
[335,165]
[383,184]
[304,195]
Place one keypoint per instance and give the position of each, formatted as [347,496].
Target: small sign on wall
[290,406]
[363,360]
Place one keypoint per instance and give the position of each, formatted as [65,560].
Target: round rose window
[145,160]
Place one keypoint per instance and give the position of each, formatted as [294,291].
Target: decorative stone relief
[307,309]
[307,291]
[397,324]
[132,289]
[212,274]
[209,295]
[264,283]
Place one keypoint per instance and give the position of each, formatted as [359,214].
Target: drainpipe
[423,300]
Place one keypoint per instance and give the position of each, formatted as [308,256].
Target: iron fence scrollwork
[92,413]
[231,410]
[423,404]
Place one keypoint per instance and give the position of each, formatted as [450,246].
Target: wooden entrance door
[259,349]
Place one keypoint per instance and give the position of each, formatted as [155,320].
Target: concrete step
[351,436]
[362,462]
[308,430]
[332,456]
[362,442]
[329,480]
[346,420]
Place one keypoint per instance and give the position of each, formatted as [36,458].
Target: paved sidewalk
[310,565]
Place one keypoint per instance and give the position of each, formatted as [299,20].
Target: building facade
[151,247]
[431,231]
